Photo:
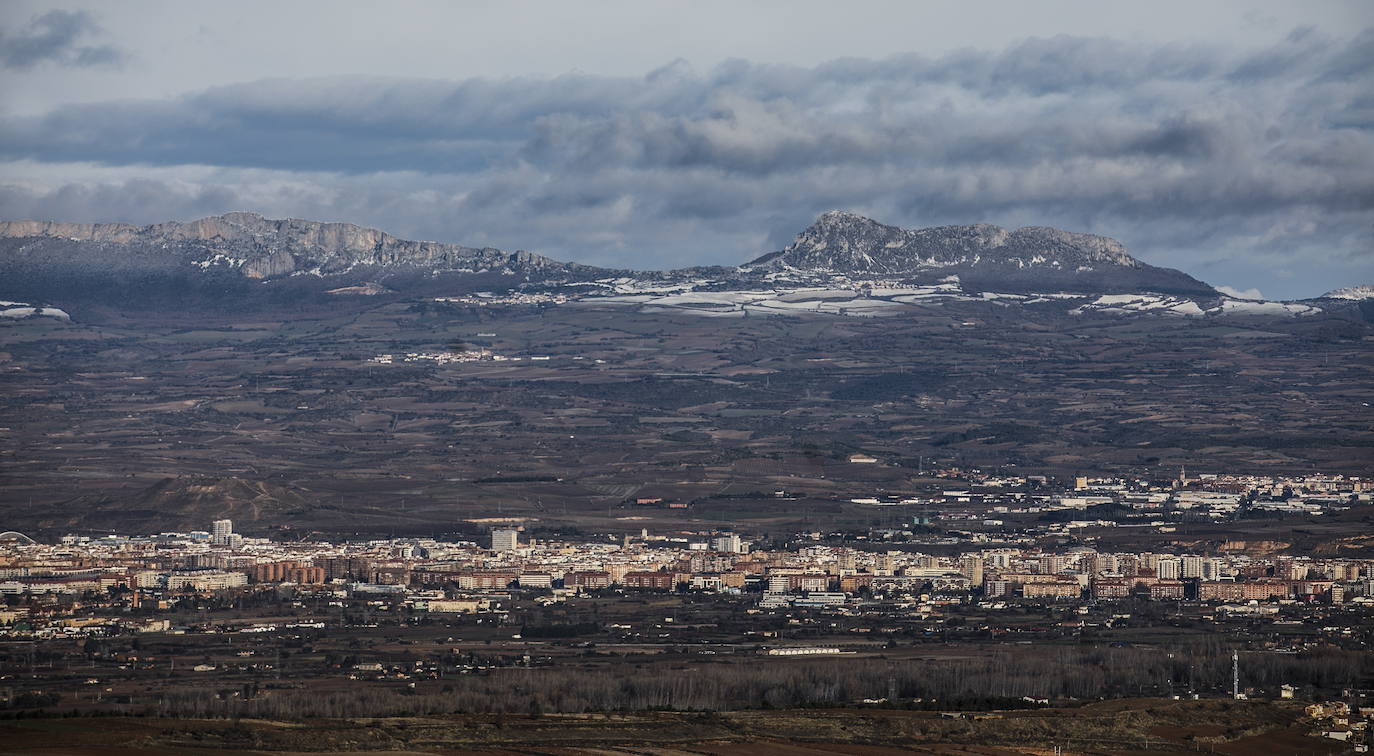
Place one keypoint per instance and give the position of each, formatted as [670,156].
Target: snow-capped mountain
[837,244]
[983,255]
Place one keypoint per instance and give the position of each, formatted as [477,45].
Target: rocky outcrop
[278,263]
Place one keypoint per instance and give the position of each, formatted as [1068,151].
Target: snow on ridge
[1365,291]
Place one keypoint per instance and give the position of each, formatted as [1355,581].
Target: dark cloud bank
[1240,167]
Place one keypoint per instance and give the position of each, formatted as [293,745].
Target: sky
[1231,140]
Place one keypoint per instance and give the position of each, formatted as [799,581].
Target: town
[986,564]
[72,587]
[811,567]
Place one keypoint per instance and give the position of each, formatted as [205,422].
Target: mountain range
[233,256]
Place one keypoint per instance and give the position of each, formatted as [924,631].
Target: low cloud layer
[1241,293]
[1251,167]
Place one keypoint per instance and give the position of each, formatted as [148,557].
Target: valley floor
[287,418]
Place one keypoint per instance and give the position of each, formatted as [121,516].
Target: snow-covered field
[739,303]
[862,300]
[1133,303]
[1254,307]
[19,310]
[1122,304]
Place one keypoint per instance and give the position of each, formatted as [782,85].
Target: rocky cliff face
[262,248]
[851,245]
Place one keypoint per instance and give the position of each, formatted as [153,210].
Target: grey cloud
[1355,61]
[739,116]
[55,37]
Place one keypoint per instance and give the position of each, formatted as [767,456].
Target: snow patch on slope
[1352,292]
[1123,304]
[22,310]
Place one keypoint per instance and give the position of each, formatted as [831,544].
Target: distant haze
[1229,140]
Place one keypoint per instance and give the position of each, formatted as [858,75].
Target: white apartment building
[505,539]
